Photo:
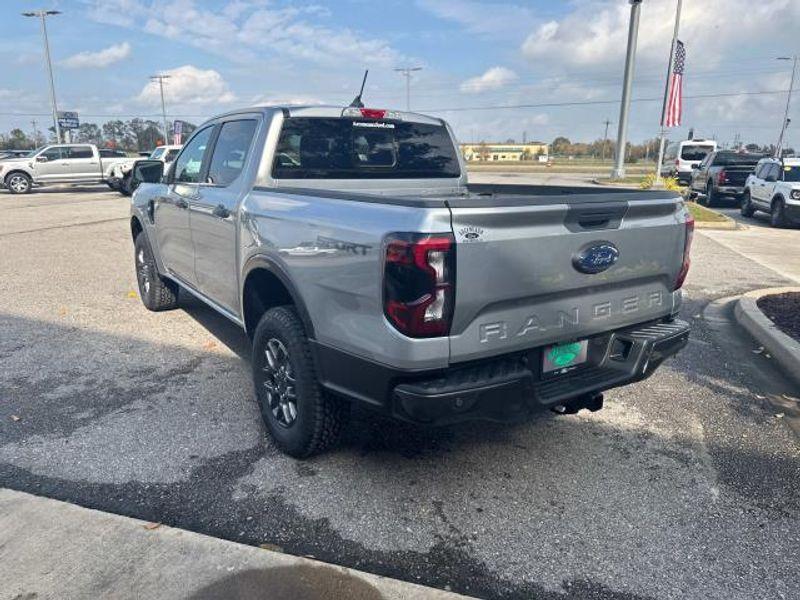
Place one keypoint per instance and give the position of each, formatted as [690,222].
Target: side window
[73,152]
[189,163]
[230,151]
[771,173]
[761,172]
[53,153]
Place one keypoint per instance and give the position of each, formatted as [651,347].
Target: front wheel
[157,293]
[777,217]
[747,209]
[19,183]
[301,417]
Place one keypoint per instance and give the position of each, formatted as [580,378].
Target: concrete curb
[53,550]
[784,349]
[729,224]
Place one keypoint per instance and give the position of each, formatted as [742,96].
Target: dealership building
[536,151]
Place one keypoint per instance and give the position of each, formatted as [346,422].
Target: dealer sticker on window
[563,357]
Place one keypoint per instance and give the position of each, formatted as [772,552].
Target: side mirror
[146,171]
[41,158]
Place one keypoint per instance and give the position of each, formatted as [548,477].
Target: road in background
[686,485]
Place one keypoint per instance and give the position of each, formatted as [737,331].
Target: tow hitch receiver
[592,402]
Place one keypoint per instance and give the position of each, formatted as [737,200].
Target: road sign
[177,132]
[68,120]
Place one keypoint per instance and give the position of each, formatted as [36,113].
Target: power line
[595,102]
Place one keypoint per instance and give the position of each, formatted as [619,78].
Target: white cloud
[98,60]
[483,18]
[188,85]
[248,30]
[494,78]
[274,100]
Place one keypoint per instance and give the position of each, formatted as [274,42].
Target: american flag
[672,114]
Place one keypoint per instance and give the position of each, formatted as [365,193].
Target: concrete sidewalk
[51,549]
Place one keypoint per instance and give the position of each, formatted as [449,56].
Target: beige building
[487,152]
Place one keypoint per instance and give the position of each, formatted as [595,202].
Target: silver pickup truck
[57,163]
[364,267]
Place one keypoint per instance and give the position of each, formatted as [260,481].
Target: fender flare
[261,261]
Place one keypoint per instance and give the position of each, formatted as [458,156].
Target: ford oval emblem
[596,257]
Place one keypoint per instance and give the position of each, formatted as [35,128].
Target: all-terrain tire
[18,182]
[319,417]
[156,292]
[711,195]
[777,216]
[747,209]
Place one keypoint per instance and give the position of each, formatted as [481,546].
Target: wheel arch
[775,198]
[265,284]
[17,171]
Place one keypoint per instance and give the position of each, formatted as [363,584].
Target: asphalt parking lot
[684,486]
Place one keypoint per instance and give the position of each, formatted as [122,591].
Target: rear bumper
[504,388]
[730,190]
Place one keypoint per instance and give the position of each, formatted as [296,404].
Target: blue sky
[474,54]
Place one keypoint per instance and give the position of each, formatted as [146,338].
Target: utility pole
[35,133]
[406,71]
[43,14]
[670,66]
[786,119]
[605,141]
[160,79]
[627,84]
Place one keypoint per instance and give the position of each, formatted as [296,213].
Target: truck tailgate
[517,283]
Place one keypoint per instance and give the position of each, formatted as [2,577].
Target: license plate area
[559,359]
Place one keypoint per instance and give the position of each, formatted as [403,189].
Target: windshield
[331,148]
[157,153]
[695,151]
[735,159]
[791,173]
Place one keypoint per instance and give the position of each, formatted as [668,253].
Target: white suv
[774,188]
[120,179]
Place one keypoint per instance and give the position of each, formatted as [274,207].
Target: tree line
[134,135]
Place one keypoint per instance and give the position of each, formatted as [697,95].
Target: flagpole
[670,66]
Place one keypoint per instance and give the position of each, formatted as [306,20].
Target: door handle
[221,212]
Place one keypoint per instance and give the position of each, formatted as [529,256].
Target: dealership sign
[68,120]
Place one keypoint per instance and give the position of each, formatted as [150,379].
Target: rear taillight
[419,283]
[687,250]
[722,177]
[373,113]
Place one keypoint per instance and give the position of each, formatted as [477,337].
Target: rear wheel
[711,195]
[747,209]
[777,216]
[157,293]
[18,183]
[300,416]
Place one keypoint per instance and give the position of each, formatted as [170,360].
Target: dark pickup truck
[722,174]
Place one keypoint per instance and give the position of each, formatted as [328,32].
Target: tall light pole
[605,141]
[786,120]
[42,14]
[406,71]
[670,66]
[627,84]
[160,79]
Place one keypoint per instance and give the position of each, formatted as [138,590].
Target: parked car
[774,188]
[680,157]
[722,175]
[56,163]
[120,176]
[6,154]
[112,153]
[365,269]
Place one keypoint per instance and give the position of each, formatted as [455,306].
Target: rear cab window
[695,152]
[346,148]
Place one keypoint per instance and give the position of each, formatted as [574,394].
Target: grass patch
[701,213]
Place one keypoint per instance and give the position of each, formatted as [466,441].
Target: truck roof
[333,111]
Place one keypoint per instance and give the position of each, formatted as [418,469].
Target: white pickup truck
[120,175]
[57,163]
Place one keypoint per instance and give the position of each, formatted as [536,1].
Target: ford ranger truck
[349,245]
[55,164]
